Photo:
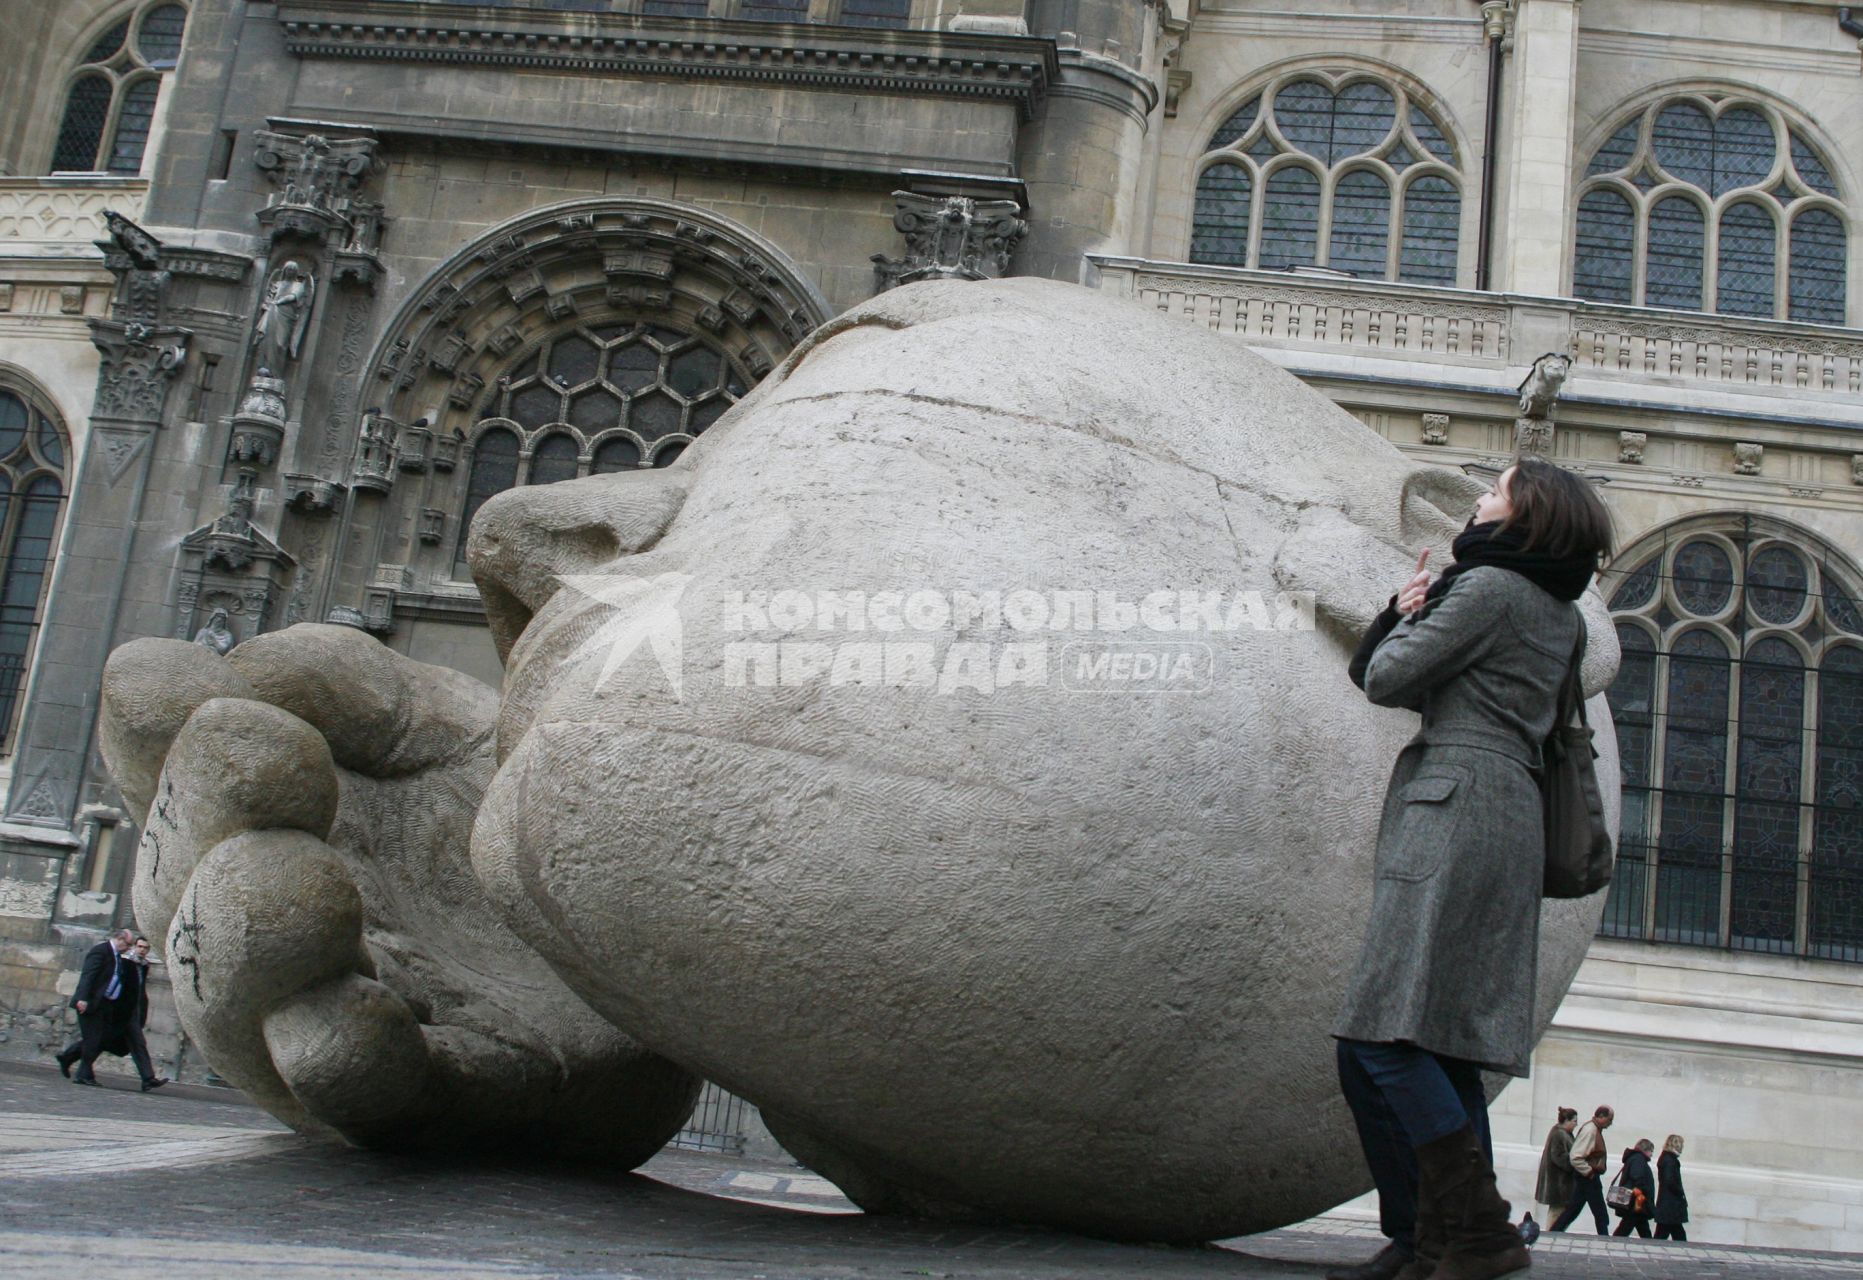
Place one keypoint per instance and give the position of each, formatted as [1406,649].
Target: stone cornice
[1018,69]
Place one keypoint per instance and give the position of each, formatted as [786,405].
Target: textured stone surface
[1032,953]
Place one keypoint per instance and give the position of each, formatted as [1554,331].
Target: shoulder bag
[1621,1196]
[1578,844]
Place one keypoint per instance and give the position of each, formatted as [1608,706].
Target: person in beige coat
[1588,1158]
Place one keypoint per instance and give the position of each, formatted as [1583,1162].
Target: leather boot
[1479,1241]
[1429,1233]
[1385,1266]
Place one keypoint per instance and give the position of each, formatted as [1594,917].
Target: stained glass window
[1220,236]
[1432,225]
[1677,240]
[624,394]
[160,41]
[32,495]
[1748,237]
[1819,264]
[114,90]
[1365,134]
[1725,148]
[1741,747]
[1607,239]
[876,13]
[87,107]
[1361,224]
[1290,223]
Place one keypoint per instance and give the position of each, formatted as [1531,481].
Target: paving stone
[200,1184]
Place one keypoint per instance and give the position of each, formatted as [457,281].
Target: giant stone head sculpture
[775,796]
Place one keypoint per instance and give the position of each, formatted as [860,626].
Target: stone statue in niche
[284,317]
[216,635]
[1086,950]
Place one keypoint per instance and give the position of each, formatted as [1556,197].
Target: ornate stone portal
[978,943]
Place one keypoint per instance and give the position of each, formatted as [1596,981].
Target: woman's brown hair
[1557,512]
[1567,1113]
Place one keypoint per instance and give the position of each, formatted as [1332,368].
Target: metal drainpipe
[1848,20]
[1494,15]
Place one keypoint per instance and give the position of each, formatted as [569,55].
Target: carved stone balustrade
[45,212]
[1319,323]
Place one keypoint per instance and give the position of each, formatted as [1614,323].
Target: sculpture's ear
[1352,561]
[524,540]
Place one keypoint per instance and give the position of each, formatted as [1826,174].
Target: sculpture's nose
[524,540]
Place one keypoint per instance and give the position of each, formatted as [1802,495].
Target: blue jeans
[1402,1097]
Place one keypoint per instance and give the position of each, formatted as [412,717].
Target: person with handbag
[1554,1187]
[1671,1199]
[1445,982]
[1588,1160]
[1633,1196]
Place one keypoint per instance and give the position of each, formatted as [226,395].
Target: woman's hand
[1410,598]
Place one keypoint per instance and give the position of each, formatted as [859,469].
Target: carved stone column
[141,353]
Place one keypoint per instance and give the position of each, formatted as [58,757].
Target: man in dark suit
[102,988]
[136,964]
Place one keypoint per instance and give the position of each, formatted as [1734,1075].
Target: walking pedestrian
[1554,1188]
[1671,1199]
[1445,981]
[1588,1161]
[138,1017]
[1636,1175]
[100,986]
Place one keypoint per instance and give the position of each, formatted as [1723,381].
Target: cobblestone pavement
[192,1182]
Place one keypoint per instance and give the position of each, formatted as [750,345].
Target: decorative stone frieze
[951,238]
[1630,446]
[1436,428]
[1748,457]
[968,64]
[1856,468]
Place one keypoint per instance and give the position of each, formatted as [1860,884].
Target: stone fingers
[383,715]
[235,766]
[266,916]
[150,688]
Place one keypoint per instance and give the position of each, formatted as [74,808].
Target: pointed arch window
[109,101]
[1336,171]
[1711,203]
[1738,705]
[32,497]
[592,400]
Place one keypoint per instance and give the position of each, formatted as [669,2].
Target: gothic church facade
[289,287]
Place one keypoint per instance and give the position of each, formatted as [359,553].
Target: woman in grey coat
[1445,980]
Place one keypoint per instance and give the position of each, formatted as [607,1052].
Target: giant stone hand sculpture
[1025,952]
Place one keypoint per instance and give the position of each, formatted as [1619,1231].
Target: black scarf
[1496,546]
